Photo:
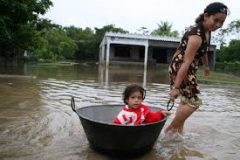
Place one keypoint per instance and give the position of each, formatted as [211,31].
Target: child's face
[135,99]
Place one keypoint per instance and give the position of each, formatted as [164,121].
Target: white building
[118,47]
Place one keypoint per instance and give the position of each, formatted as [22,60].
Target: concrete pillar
[146,57]
[108,53]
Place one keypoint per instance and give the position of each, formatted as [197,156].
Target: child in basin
[134,112]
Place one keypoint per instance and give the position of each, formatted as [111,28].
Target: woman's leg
[182,113]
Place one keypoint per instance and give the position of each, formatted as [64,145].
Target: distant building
[118,47]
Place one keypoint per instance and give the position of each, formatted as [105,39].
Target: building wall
[132,49]
[136,54]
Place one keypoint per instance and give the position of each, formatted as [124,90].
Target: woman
[191,53]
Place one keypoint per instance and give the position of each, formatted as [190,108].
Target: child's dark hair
[131,89]
[211,9]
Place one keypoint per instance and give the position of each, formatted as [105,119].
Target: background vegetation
[22,30]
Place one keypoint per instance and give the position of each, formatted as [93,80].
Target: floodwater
[37,122]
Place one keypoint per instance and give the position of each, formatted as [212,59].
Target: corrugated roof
[140,36]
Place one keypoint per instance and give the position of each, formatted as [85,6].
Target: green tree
[165,29]
[233,28]
[17,19]
[84,39]
[143,30]
[231,53]
[52,43]
[99,32]
[43,23]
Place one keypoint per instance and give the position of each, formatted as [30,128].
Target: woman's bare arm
[194,43]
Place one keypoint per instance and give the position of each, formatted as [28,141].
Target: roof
[145,37]
[141,36]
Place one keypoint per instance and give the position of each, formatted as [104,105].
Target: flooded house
[118,48]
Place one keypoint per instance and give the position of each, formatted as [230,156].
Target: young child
[134,112]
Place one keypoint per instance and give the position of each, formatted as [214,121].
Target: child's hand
[166,113]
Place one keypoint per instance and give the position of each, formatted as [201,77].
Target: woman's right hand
[206,71]
[174,93]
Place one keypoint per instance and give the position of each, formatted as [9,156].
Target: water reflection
[36,121]
[133,75]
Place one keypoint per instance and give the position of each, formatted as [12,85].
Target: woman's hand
[206,71]
[174,93]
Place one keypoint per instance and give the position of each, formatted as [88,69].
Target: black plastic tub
[116,140]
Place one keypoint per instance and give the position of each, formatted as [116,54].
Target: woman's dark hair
[211,9]
[131,89]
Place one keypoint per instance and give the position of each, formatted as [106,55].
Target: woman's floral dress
[189,87]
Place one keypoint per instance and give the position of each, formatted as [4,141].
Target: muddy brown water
[36,120]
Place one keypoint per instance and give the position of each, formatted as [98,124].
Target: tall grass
[219,78]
